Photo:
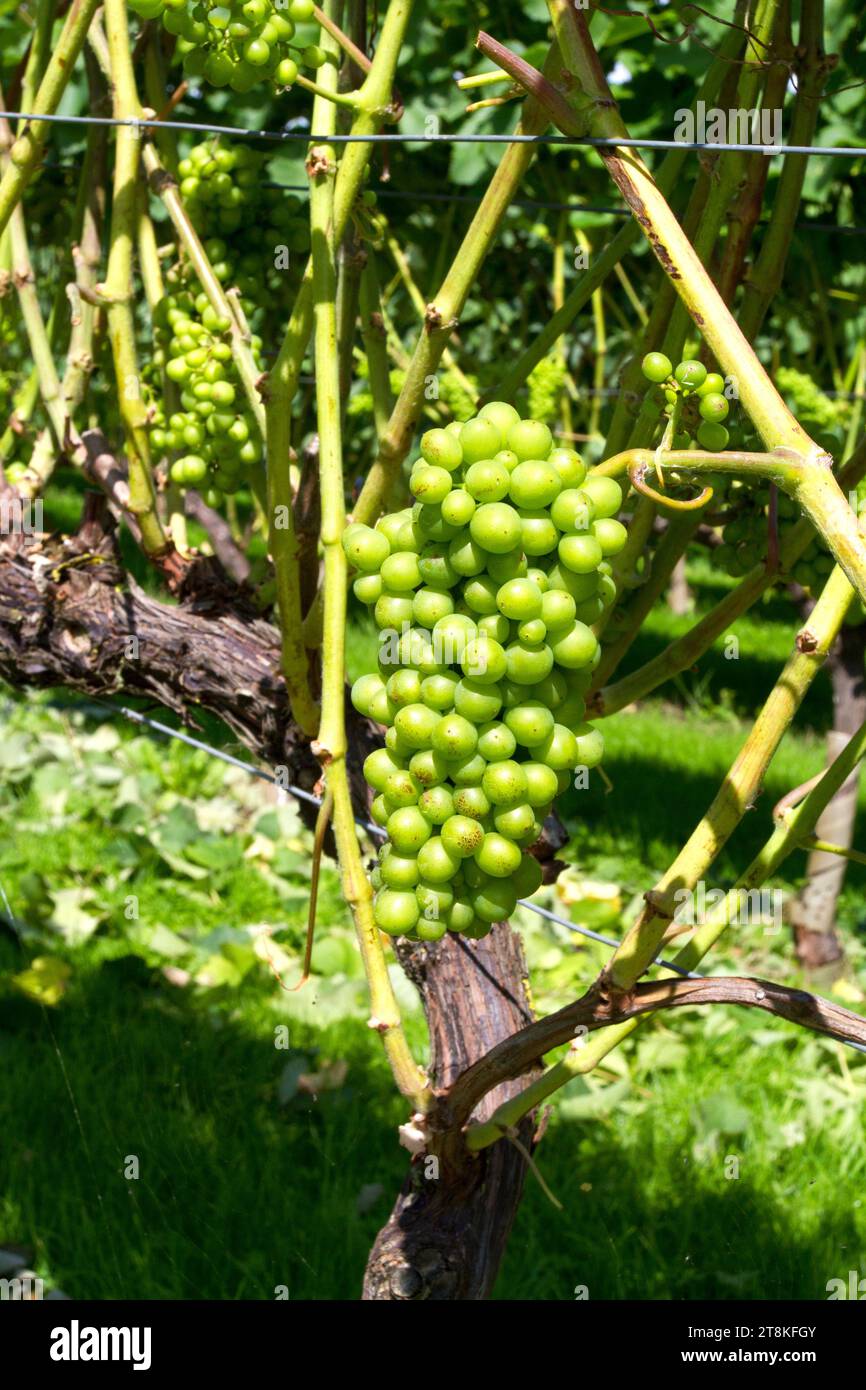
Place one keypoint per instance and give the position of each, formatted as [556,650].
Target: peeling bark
[447,1233]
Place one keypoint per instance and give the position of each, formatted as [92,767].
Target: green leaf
[69,916]
[44,981]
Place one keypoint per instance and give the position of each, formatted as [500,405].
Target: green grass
[163,1048]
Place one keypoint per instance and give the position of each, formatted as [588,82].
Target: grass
[721,1154]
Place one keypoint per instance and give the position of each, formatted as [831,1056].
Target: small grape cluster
[484,592]
[237,43]
[213,426]
[745,537]
[690,385]
[225,191]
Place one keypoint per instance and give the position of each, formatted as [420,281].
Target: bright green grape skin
[498,856]
[398,870]
[530,723]
[495,527]
[494,900]
[541,783]
[487,481]
[713,437]
[690,373]
[714,408]
[656,367]
[408,830]
[515,822]
[462,836]
[605,493]
[441,448]
[476,703]
[712,384]
[436,863]
[471,801]
[479,439]
[454,736]
[395,912]
[504,783]
[570,467]
[436,804]
[496,742]
[500,414]
[529,439]
[527,665]
[534,484]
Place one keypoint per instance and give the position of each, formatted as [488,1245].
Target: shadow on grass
[236,1193]
[694,1234]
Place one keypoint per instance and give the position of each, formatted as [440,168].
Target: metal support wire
[137,718]
[419,138]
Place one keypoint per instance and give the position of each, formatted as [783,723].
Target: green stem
[669,244]
[668,176]
[629,962]
[330,744]
[40,47]
[373,99]
[26,152]
[374,339]
[118,286]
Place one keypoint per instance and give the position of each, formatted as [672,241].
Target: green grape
[491,583]
[656,367]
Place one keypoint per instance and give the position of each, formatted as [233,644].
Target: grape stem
[740,787]
[283,377]
[118,282]
[440,320]
[26,152]
[330,744]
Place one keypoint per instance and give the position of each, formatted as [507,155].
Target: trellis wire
[429,195]
[597,142]
[136,717]
[421,138]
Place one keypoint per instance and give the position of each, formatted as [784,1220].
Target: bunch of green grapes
[213,431]
[226,193]
[745,537]
[239,42]
[700,396]
[545,384]
[484,592]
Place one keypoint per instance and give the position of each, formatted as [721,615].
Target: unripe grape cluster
[213,430]
[484,593]
[701,395]
[210,433]
[237,43]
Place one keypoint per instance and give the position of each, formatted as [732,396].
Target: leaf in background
[44,981]
[69,917]
[287,1087]
[157,940]
[721,1113]
[585,1104]
[179,828]
[215,852]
